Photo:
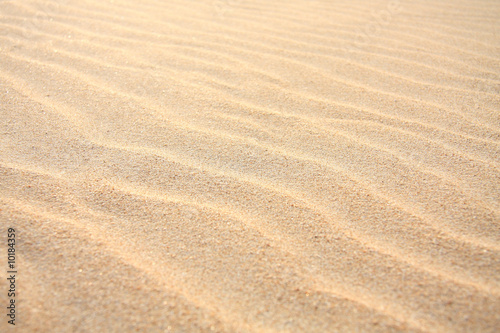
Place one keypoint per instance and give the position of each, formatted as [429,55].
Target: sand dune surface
[250,165]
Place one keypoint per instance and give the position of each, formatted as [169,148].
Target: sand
[251,165]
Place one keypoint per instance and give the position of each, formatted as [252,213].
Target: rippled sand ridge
[251,165]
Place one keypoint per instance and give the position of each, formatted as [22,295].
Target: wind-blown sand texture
[251,166]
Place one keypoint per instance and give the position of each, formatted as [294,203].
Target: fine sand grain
[251,165]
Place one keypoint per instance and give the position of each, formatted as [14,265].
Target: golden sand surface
[251,165]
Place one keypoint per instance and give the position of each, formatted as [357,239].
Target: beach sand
[251,166]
